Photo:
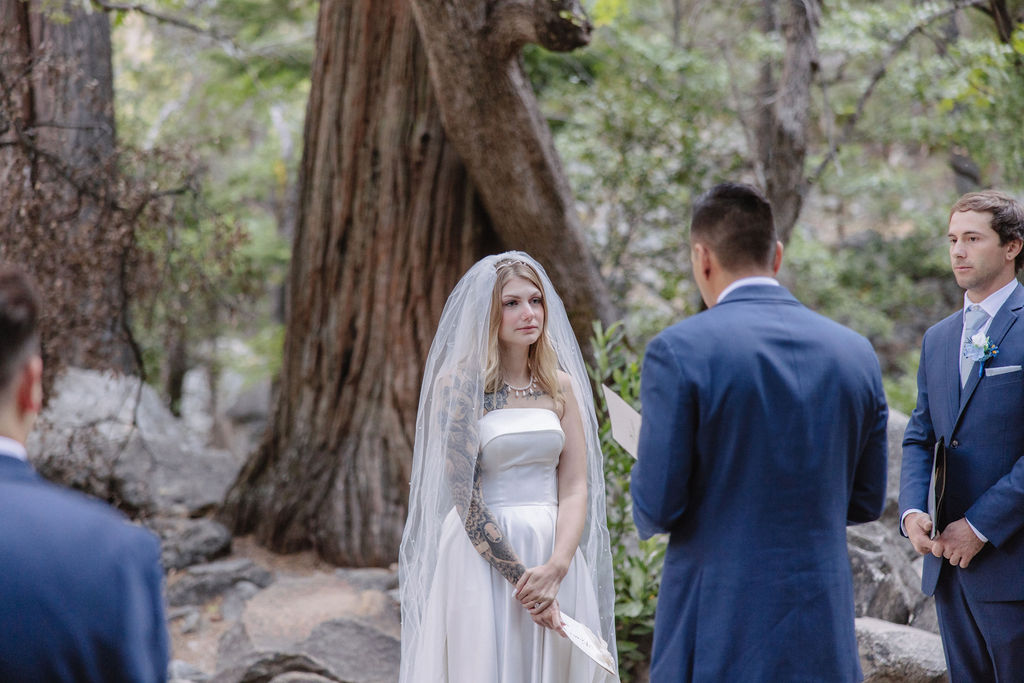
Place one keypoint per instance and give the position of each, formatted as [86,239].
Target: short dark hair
[19,318]
[1007,216]
[735,221]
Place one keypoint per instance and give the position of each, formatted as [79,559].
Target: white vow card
[625,421]
[585,639]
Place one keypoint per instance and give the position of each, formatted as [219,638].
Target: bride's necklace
[523,391]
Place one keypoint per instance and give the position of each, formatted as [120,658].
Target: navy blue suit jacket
[763,436]
[983,427]
[80,587]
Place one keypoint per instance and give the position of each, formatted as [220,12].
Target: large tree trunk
[784,103]
[493,120]
[389,219]
[58,177]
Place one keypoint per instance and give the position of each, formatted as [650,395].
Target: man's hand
[957,543]
[919,529]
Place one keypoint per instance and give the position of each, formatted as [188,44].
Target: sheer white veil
[451,402]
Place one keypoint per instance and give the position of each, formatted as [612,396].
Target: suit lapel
[1001,324]
[951,365]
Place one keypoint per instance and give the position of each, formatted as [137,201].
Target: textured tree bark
[58,176]
[784,108]
[493,120]
[387,222]
[389,218]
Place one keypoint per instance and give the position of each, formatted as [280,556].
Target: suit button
[954,444]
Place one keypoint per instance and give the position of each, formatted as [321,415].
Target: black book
[937,485]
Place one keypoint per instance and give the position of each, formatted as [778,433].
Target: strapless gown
[474,630]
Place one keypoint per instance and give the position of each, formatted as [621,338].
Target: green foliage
[222,105]
[637,564]
[901,386]
[642,127]
[952,86]
[890,289]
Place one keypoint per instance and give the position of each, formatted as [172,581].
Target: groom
[763,436]
[975,567]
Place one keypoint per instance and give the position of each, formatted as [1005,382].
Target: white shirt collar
[994,301]
[746,282]
[12,448]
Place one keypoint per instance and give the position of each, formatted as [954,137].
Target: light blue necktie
[974,320]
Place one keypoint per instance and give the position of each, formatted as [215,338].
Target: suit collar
[1001,324]
[12,468]
[758,293]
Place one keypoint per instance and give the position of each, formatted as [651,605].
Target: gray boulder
[369,578]
[185,542]
[350,633]
[295,677]
[182,672]
[201,583]
[265,667]
[885,584]
[112,437]
[890,653]
[894,436]
[355,651]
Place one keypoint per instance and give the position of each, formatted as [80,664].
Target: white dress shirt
[991,305]
[12,448]
[746,282]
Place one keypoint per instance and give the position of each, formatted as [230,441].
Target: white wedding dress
[474,630]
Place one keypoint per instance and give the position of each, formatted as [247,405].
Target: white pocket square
[992,372]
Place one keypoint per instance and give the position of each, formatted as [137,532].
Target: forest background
[213,183]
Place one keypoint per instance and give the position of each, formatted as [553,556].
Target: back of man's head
[735,221]
[19,318]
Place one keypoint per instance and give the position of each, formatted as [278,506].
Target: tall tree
[58,182]
[784,100]
[389,217]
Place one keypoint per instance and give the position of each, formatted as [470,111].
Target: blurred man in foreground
[80,587]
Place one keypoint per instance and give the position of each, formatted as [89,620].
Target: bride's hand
[550,618]
[538,587]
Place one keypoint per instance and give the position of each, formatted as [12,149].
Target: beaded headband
[505,263]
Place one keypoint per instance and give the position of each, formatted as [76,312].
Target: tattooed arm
[463,469]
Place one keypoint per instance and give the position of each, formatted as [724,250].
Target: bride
[506,526]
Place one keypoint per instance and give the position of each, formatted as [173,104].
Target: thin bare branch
[226,41]
[879,74]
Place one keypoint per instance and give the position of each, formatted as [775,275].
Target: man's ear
[1015,247]
[29,393]
[777,262]
[702,259]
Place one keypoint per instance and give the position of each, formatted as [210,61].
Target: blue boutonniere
[980,348]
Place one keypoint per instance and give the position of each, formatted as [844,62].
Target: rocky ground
[240,614]
[254,615]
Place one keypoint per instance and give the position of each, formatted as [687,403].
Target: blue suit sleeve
[868,496]
[918,447]
[145,644]
[999,512]
[660,479]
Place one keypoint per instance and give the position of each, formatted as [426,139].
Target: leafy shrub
[637,564]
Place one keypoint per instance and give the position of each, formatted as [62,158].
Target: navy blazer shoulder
[727,321]
[80,587]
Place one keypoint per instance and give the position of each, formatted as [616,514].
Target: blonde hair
[541,359]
